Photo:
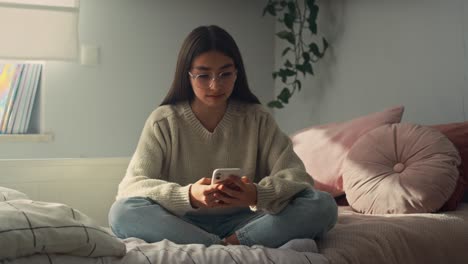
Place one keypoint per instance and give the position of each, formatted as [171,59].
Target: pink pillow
[323,148]
[401,168]
[458,134]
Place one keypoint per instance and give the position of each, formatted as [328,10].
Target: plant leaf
[289,72]
[306,57]
[298,84]
[288,64]
[315,50]
[275,104]
[270,9]
[325,45]
[312,26]
[284,95]
[313,11]
[285,51]
[300,68]
[308,68]
[292,8]
[289,20]
[285,73]
[310,3]
[312,19]
[313,47]
[287,35]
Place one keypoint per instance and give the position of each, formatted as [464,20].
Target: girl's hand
[236,192]
[201,194]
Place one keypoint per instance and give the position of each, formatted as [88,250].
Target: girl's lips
[215,96]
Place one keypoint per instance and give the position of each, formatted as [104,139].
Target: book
[24,87]
[7,78]
[12,97]
[18,102]
[18,88]
[32,96]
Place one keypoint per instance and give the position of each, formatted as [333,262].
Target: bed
[400,188]
[357,238]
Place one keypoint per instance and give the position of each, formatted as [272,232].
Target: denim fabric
[310,214]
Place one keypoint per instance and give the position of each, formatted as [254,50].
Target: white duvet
[35,232]
[165,251]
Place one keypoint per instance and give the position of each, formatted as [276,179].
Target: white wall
[100,111]
[386,53]
[89,185]
[383,53]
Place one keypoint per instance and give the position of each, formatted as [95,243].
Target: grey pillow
[7,194]
[30,227]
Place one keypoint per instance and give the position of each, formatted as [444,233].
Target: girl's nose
[214,83]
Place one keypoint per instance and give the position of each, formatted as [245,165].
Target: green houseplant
[299,18]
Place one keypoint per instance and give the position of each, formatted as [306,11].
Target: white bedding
[165,251]
[52,233]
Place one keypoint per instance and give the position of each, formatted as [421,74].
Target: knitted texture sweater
[175,150]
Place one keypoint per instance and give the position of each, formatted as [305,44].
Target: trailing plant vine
[299,18]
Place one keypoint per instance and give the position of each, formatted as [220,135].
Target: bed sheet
[400,238]
[166,251]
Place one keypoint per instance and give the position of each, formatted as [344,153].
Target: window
[39,29]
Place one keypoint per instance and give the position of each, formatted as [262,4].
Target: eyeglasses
[205,80]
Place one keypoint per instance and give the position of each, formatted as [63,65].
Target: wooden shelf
[47,137]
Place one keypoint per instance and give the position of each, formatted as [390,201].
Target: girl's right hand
[201,194]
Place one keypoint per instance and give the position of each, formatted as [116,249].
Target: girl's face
[212,76]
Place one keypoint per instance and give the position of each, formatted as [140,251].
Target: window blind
[39,29]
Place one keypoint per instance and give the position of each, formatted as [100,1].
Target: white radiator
[89,185]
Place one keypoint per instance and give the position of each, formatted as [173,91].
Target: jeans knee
[123,210]
[328,209]
[320,209]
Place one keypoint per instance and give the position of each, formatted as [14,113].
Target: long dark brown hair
[200,40]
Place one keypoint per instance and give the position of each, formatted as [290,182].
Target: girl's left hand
[236,191]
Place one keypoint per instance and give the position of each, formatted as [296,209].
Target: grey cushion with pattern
[7,194]
[28,227]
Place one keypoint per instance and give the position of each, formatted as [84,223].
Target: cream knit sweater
[175,150]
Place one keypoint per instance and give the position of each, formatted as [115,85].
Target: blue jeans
[310,214]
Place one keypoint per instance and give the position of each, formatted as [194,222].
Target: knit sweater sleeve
[145,177]
[287,175]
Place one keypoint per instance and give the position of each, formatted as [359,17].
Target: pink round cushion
[400,168]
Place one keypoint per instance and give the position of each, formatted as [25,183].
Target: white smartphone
[222,174]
